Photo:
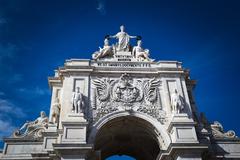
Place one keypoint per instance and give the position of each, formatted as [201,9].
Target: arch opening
[128,135]
[122,157]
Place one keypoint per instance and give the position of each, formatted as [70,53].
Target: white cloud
[8,111]
[37,91]
[8,52]
[8,108]
[41,91]
[6,128]
[101,6]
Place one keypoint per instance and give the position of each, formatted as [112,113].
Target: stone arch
[148,132]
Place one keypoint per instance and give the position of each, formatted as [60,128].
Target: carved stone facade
[128,94]
[120,103]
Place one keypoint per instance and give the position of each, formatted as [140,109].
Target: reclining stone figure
[140,53]
[103,52]
[218,132]
[33,127]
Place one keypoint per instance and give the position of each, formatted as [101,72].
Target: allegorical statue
[177,102]
[123,40]
[55,111]
[41,121]
[103,52]
[218,132]
[77,101]
[140,53]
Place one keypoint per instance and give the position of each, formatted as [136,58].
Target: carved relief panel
[127,93]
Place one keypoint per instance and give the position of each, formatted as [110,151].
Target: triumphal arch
[122,102]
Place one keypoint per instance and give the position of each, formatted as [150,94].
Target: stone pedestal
[73,143]
[124,56]
[50,137]
[70,151]
[182,129]
[122,53]
[18,148]
[188,157]
[74,129]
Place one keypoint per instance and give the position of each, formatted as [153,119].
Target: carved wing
[150,89]
[102,88]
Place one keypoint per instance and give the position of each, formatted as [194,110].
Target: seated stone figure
[103,52]
[29,127]
[140,53]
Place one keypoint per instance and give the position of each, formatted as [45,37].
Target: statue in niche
[140,53]
[55,111]
[28,127]
[177,102]
[123,40]
[77,101]
[103,52]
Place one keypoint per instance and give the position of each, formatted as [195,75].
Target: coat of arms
[127,93]
[124,91]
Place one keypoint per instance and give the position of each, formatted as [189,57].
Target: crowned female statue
[123,40]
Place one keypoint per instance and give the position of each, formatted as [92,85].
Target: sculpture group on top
[123,45]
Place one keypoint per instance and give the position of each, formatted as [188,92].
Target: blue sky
[37,36]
